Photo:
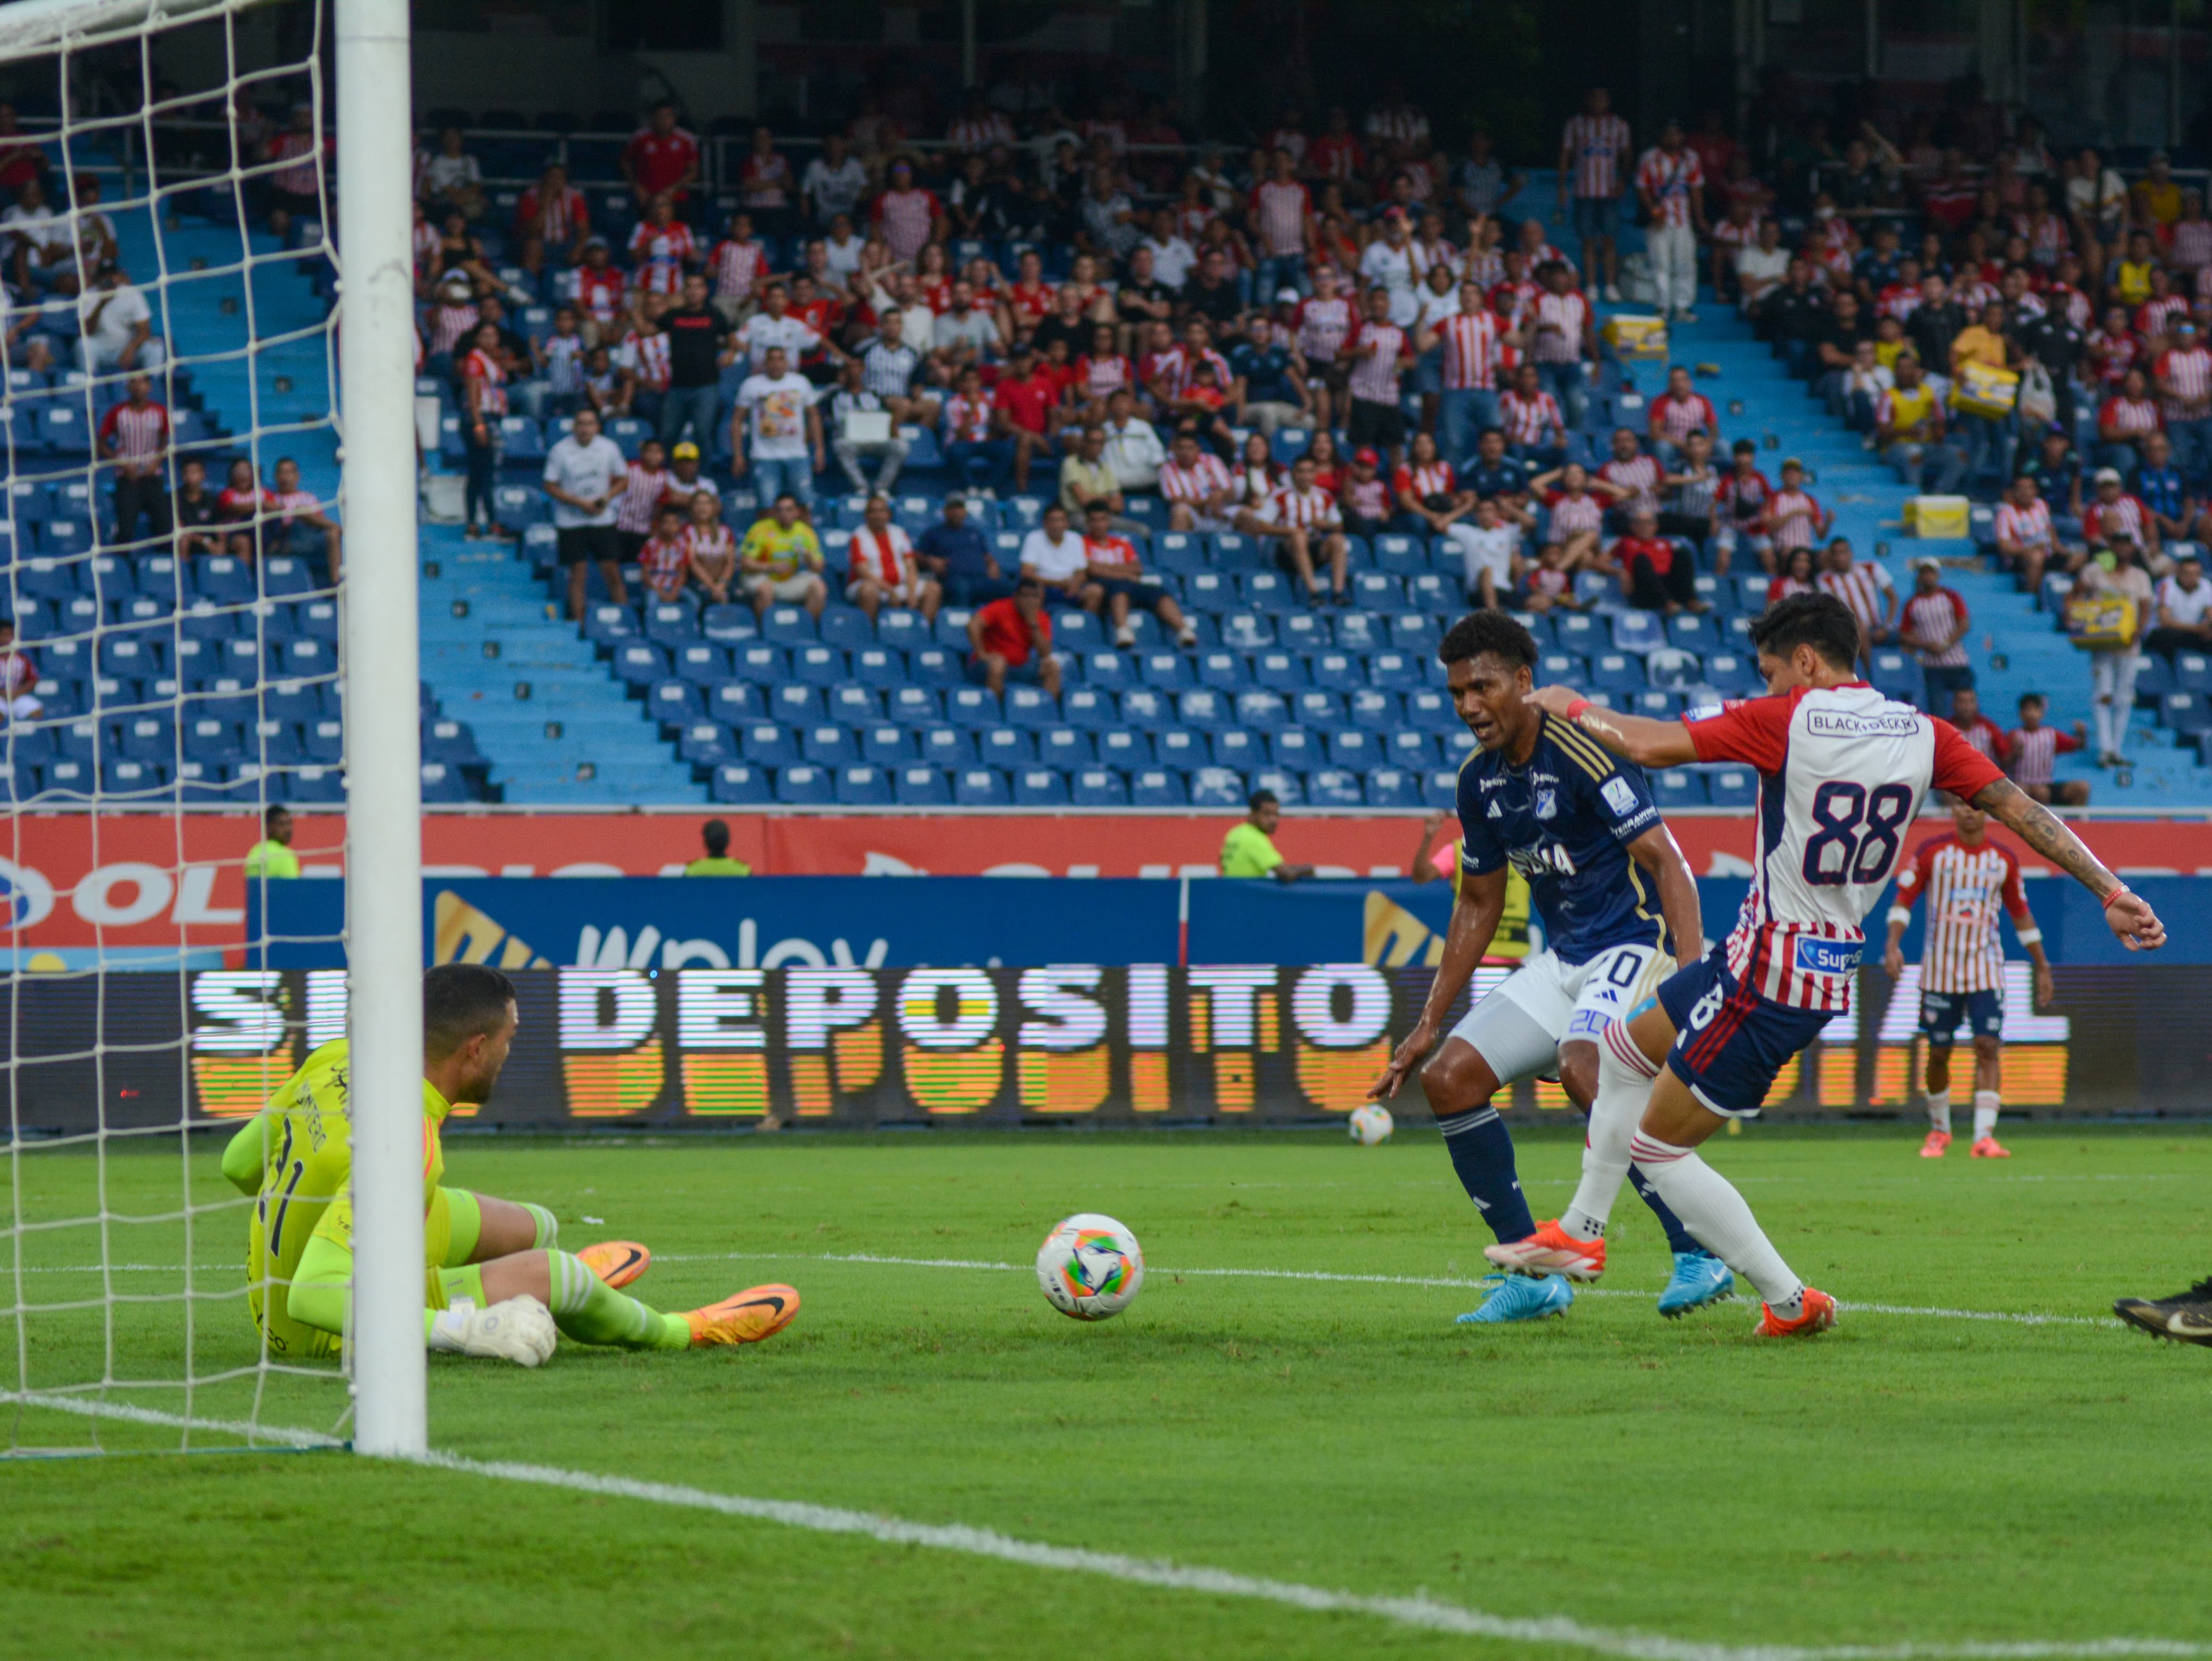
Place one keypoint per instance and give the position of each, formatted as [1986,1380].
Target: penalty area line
[2007,1316]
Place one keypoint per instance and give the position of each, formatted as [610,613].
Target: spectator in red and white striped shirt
[909,217]
[1678,412]
[2033,748]
[2113,517]
[2024,533]
[1304,518]
[1532,420]
[1471,338]
[295,188]
[1561,332]
[1198,487]
[2184,372]
[552,215]
[135,436]
[1593,157]
[1792,518]
[1635,475]
[1282,222]
[739,265]
[2124,419]
[1932,625]
[641,494]
[1323,321]
[1670,181]
[661,246]
[1380,351]
[1866,589]
[1977,728]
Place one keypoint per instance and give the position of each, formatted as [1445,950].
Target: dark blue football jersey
[1565,821]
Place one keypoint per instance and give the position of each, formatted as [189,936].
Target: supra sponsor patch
[1843,724]
[1819,957]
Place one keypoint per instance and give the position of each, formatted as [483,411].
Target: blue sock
[1678,1238]
[1482,1152]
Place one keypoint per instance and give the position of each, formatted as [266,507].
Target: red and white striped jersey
[1322,326]
[1306,510]
[640,496]
[1986,736]
[2125,519]
[18,674]
[1841,772]
[1639,476]
[736,266]
[1102,377]
[560,218]
[448,324]
[1572,513]
[1793,517]
[2025,528]
[1280,210]
[1965,887]
[1932,617]
[1375,349]
[1434,478]
[429,246]
[886,556]
[1557,322]
[907,217]
[968,420]
[2189,373]
[666,562]
[303,176]
[1595,146]
[979,132]
[1670,179]
[1470,342]
[1206,477]
[483,369]
[2129,417]
[663,245]
[646,357]
[2158,313]
[1678,417]
[1861,588]
[139,434]
[2035,753]
[1175,369]
[1529,420]
[598,294]
[1899,300]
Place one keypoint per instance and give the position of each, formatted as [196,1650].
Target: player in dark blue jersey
[1615,897]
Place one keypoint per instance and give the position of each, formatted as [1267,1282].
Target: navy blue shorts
[1729,1042]
[1941,1012]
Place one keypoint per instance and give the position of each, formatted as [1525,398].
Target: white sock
[1939,1110]
[1712,1209]
[1986,1113]
[1624,1085]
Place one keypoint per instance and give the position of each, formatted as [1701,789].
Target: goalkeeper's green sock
[585,1308]
[549,1227]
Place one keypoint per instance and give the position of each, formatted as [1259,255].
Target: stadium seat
[863,786]
[1335,787]
[1289,788]
[765,743]
[1006,747]
[1734,787]
[948,748]
[1637,632]
[1040,786]
[1677,786]
[1278,671]
[805,787]
[731,702]
[921,787]
[828,744]
[1157,787]
[1216,787]
[980,786]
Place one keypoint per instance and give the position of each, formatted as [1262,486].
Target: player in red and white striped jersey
[2031,752]
[1841,772]
[1968,878]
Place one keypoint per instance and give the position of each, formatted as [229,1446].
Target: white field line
[2012,1318]
[1418,1612]
[89,1407]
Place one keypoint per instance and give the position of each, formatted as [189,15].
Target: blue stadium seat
[1415,632]
[1415,751]
[1692,632]
[1246,631]
[1278,671]
[828,744]
[1078,632]
[1006,747]
[1397,671]
[854,706]
[816,665]
[885,746]
[1400,555]
[972,707]
[1040,786]
[1098,786]
[1354,749]
[1377,591]
[1734,787]
[947,747]
[1181,748]
[1577,633]
[788,625]
[921,787]
[1637,632]
[1147,708]
[706,744]
[1378,710]
[1032,708]
[1238,749]
[671,623]
[1170,671]
[1335,787]
[805,787]
[1677,786]
[2184,712]
[1216,787]
[731,702]
[1266,591]
[1180,553]
[1289,788]
[874,665]
[737,785]
[980,786]
[1671,667]
[728,624]
[847,626]
[863,786]
[1157,787]
[609,622]
[1730,672]
[1616,671]
[1655,704]
[1066,747]
[937,666]
[2192,672]
[1088,708]
[1894,675]
[1394,786]
[1109,672]
[765,743]
[1234,552]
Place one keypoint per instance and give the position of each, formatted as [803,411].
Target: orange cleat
[1820,1315]
[1550,1250]
[755,1313]
[1988,1148]
[1937,1144]
[617,1262]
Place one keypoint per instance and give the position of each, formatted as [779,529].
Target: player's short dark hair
[1820,621]
[268,814]
[2027,698]
[459,1001]
[1495,632]
[715,835]
[1260,799]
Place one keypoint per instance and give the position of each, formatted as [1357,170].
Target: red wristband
[1575,710]
[2114,894]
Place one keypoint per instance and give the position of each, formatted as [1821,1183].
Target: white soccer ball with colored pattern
[1090,1266]
[1369,1125]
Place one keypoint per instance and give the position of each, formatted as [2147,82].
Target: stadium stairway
[551,720]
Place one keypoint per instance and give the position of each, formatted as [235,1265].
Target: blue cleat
[1520,1299]
[1699,1279]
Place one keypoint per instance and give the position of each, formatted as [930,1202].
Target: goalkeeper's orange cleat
[1820,1315]
[1550,1250]
[1937,1144]
[755,1313]
[617,1262]
[1988,1147]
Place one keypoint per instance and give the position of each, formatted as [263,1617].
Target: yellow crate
[1944,517]
[1637,337]
[1984,391]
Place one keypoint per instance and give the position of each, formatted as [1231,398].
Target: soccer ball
[1371,1124]
[1090,1266]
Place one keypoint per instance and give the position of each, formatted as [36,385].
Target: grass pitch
[1910,1478]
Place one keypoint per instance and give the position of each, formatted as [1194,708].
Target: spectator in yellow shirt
[780,561]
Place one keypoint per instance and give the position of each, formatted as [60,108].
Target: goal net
[181,571]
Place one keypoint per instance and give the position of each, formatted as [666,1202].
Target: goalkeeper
[495,1282]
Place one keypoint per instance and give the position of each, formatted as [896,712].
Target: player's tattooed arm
[1473,923]
[2127,913]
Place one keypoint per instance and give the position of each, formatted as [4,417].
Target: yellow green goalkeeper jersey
[305,1164]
